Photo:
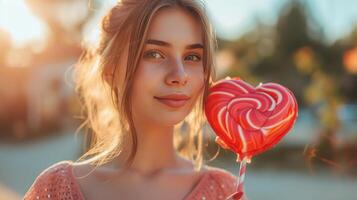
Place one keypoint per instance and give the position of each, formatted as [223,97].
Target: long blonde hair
[107,110]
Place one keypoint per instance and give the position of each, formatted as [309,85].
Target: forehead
[176,26]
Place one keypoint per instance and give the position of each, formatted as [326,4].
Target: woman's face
[171,64]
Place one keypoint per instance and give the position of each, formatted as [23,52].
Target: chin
[164,116]
[170,118]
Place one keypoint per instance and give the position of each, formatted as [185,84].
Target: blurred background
[310,46]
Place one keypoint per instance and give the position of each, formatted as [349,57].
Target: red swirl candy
[250,120]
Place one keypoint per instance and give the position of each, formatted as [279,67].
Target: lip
[173,100]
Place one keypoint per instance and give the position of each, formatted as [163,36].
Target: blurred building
[36,95]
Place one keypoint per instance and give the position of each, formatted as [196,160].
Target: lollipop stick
[238,195]
[241,175]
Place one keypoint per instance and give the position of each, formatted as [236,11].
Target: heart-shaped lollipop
[249,120]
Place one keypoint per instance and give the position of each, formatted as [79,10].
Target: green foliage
[289,53]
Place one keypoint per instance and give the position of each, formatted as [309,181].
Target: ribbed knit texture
[58,183]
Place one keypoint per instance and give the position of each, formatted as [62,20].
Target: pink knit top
[58,182]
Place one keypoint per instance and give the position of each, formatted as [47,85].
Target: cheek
[146,81]
[147,78]
[142,94]
[197,80]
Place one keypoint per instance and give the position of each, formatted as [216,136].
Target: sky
[235,17]
[337,17]
[231,18]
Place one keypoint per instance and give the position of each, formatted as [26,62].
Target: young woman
[145,83]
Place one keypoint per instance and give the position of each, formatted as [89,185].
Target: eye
[153,54]
[193,57]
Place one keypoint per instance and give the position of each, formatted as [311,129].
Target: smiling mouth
[174,103]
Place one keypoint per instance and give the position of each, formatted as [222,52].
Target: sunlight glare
[17,19]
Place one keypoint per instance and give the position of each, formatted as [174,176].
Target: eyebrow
[166,44]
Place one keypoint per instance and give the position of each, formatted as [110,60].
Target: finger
[236,196]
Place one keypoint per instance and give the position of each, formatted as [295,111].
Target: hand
[237,196]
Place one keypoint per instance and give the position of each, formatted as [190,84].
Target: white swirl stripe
[242,137]
[227,125]
[245,99]
[250,121]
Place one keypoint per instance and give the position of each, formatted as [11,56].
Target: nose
[177,75]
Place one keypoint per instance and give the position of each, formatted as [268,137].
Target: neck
[155,150]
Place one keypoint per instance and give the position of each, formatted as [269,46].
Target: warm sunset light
[17,19]
[350,60]
[267,91]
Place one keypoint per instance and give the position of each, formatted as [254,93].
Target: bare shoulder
[80,170]
[218,170]
[93,178]
[85,173]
